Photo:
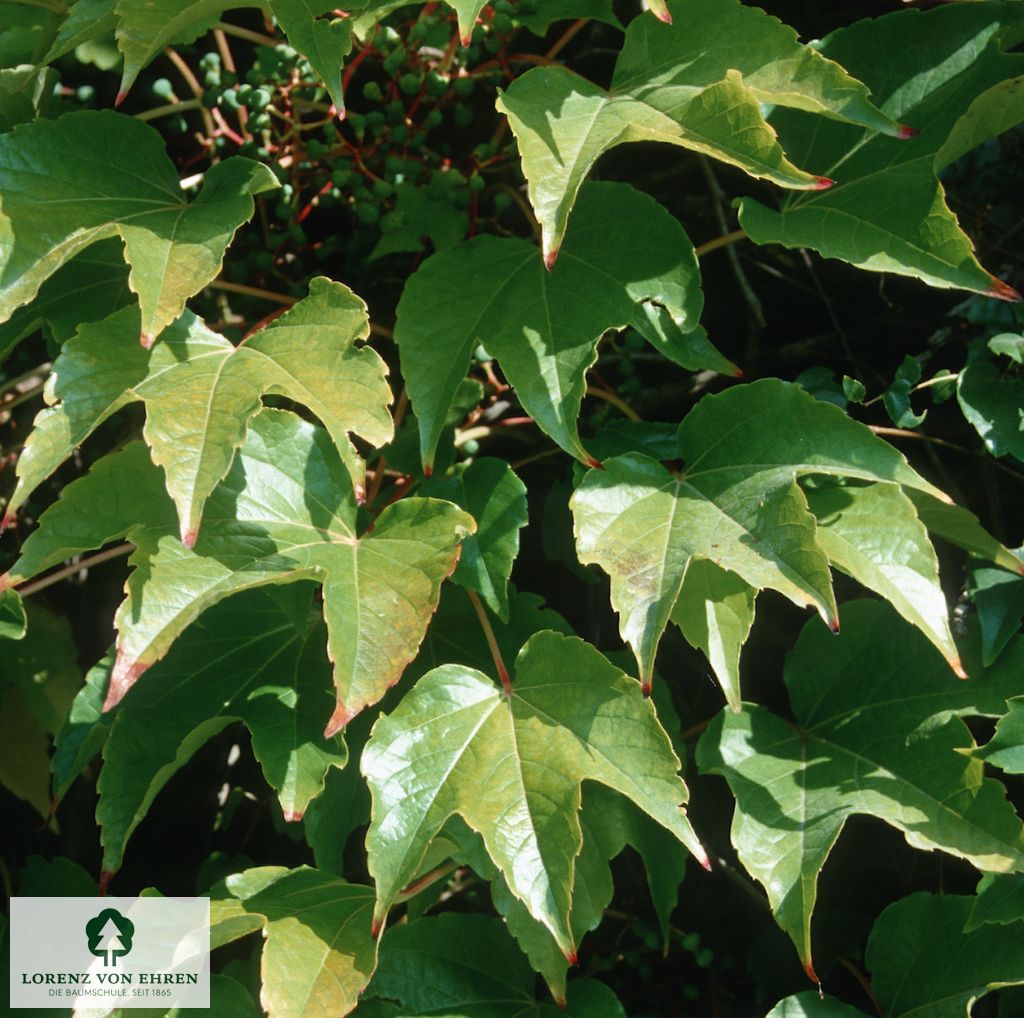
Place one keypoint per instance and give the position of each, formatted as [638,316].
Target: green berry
[85,93]
[463,87]
[283,210]
[691,941]
[340,177]
[409,83]
[504,7]
[395,111]
[705,958]
[371,91]
[259,100]
[399,133]
[375,119]
[211,79]
[260,122]
[314,148]
[436,84]
[209,98]
[382,189]
[492,44]
[367,213]
[357,121]
[229,99]
[434,119]
[362,193]
[177,125]
[502,23]
[502,201]
[244,93]
[471,447]
[477,183]
[162,89]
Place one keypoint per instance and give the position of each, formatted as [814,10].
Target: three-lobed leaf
[877,732]
[887,211]
[67,183]
[285,511]
[624,253]
[511,766]
[200,392]
[697,79]
[735,503]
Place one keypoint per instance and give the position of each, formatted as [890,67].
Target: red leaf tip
[906,132]
[664,14]
[428,470]
[120,98]
[571,957]
[739,373]
[375,927]
[811,974]
[6,582]
[9,520]
[123,676]
[292,816]
[360,494]
[341,717]
[147,339]
[1003,291]
[958,668]
[594,464]
[705,862]
[550,257]
[822,183]
[189,538]
[645,688]
[466,39]
[105,877]
[833,624]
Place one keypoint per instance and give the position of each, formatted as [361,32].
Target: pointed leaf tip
[339,719]
[360,494]
[375,927]
[571,956]
[8,521]
[958,669]
[550,257]
[428,470]
[466,39]
[120,98]
[189,538]
[6,582]
[833,624]
[704,861]
[823,184]
[594,464]
[147,339]
[104,882]
[906,132]
[664,14]
[811,974]
[292,816]
[645,688]
[123,676]
[1003,291]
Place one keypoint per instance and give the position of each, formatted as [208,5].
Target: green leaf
[284,512]
[1005,749]
[999,597]
[873,534]
[38,680]
[445,965]
[624,250]
[715,610]
[25,32]
[992,399]
[93,285]
[424,213]
[25,93]
[318,955]
[897,397]
[489,490]
[698,82]
[999,901]
[1008,345]
[736,504]
[877,732]
[923,964]
[259,658]
[324,45]
[12,616]
[56,200]
[888,212]
[810,1004]
[551,11]
[961,528]
[200,391]
[84,731]
[87,20]
[145,27]
[511,766]
[467,11]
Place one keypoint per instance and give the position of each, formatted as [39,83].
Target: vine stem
[937,380]
[566,37]
[616,401]
[193,83]
[168,108]
[492,643]
[725,240]
[28,589]
[930,440]
[865,983]
[426,880]
[246,34]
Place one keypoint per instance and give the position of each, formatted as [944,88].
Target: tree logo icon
[110,935]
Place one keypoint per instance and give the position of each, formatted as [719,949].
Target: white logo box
[97,954]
